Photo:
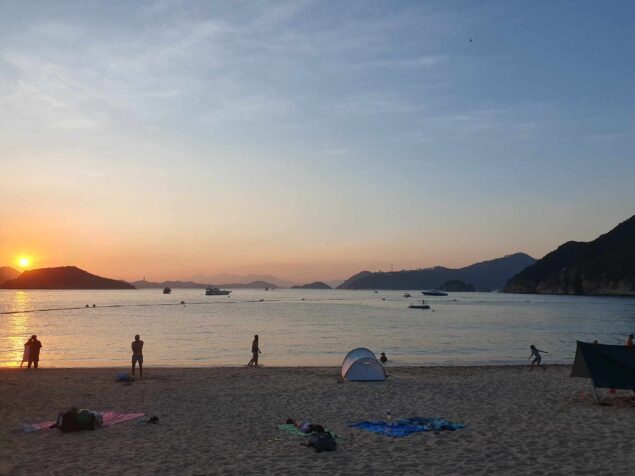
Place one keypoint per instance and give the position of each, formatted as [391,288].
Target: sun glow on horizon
[24,261]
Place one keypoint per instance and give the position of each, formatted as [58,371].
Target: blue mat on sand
[406,426]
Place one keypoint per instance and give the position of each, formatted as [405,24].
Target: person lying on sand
[305,426]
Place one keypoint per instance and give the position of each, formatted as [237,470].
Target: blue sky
[311,139]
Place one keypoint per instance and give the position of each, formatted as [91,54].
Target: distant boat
[407,295]
[423,305]
[433,292]
[167,290]
[210,291]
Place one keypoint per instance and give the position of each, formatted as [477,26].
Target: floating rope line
[161,304]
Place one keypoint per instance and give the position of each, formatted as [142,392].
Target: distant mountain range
[7,273]
[604,266]
[492,274]
[313,285]
[143,284]
[65,277]
[238,279]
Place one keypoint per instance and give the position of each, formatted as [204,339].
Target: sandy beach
[223,421]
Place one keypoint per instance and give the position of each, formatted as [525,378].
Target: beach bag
[322,442]
[67,422]
[124,377]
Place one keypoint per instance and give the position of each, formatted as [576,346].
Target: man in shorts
[137,355]
[34,351]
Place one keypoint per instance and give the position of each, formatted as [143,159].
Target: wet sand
[223,421]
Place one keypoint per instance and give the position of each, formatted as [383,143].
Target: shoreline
[285,367]
[223,420]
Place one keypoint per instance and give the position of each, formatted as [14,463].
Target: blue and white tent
[361,364]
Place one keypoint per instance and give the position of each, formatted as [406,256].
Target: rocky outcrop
[604,266]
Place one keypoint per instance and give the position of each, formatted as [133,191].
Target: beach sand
[223,421]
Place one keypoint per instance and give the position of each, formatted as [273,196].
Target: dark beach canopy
[609,366]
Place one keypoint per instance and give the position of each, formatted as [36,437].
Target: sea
[303,327]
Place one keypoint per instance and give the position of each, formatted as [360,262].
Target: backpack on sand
[67,422]
[322,442]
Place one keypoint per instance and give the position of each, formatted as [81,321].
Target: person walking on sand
[137,355]
[255,350]
[535,352]
[34,346]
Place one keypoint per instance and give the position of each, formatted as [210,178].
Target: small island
[457,286]
[313,285]
[64,277]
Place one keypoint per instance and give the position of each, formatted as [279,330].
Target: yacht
[433,292]
[210,291]
[167,290]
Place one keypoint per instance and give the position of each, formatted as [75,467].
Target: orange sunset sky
[168,139]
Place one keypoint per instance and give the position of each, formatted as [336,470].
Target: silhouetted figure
[535,352]
[34,351]
[137,355]
[629,341]
[255,350]
[383,357]
[25,354]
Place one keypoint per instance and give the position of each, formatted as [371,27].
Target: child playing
[535,352]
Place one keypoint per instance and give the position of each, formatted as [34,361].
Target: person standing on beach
[25,354]
[535,352]
[629,341]
[34,346]
[255,350]
[137,355]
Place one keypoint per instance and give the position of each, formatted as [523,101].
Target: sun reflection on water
[18,325]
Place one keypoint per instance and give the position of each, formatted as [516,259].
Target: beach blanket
[110,418]
[291,428]
[406,426]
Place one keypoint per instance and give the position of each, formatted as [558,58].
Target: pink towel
[110,418]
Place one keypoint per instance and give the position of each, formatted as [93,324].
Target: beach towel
[406,426]
[110,418]
[291,428]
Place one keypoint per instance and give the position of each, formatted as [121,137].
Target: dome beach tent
[608,366]
[361,364]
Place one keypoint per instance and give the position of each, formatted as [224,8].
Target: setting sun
[24,262]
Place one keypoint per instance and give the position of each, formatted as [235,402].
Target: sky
[310,139]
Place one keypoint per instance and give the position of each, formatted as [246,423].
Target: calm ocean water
[303,327]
